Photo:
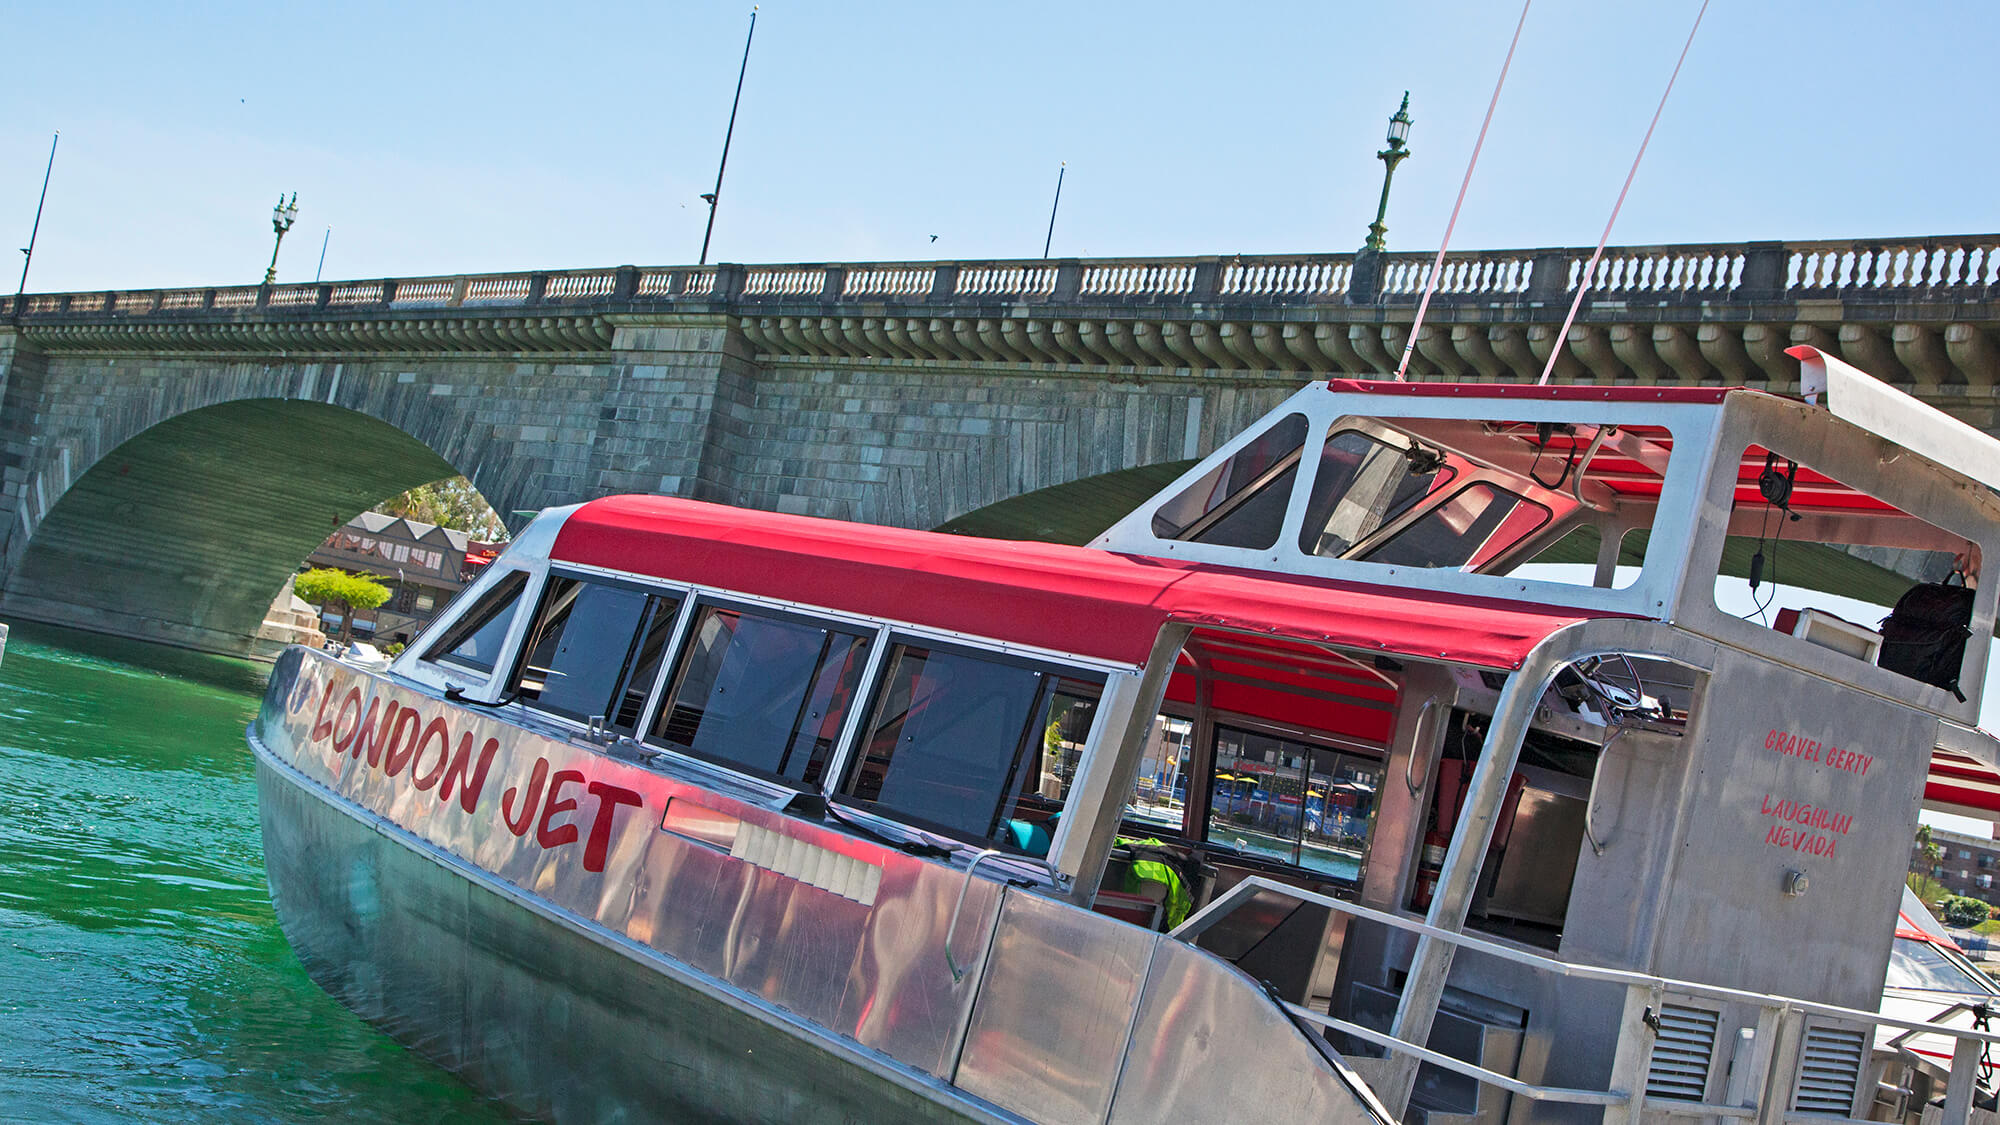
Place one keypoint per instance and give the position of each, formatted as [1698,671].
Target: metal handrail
[1208,915]
[1969,1048]
[1410,769]
[1460,1066]
[951,931]
[1590,802]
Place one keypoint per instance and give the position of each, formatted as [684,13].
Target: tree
[1929,855]
[326,586]
[1963,912]
[452,503]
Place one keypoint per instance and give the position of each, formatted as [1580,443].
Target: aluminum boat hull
[536,1011]
[686,954]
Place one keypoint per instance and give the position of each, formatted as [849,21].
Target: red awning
[1962,785]
[1069,599]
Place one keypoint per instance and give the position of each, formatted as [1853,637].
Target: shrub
[1963,912]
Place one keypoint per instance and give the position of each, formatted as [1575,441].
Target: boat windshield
[1920,965]
[1428,493]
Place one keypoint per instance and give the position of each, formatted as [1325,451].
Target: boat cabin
[1429,705]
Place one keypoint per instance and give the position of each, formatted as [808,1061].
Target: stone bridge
[170,455]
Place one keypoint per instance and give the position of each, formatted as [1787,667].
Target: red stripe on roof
[1566,393]
[1943,792]
[1068,599]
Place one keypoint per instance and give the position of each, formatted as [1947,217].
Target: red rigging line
[1583,283]
[1437,264]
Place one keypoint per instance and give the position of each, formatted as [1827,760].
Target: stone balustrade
[1918,311]
[1960,268]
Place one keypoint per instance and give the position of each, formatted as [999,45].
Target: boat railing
[1794,1061]
[1056,878]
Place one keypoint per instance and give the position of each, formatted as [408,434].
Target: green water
[143,976]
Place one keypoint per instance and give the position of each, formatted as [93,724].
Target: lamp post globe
[1399,132]
[282,217]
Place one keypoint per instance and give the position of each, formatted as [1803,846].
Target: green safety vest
[1145,871]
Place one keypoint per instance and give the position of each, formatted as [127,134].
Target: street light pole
[282,217]
[712,196]
[1399,131]
[1046,242]
[28,251]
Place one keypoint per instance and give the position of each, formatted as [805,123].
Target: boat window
[655,633]
[1361,484]
[1241,502]
[1159,795]
[1799,533]
[1920,965]
[1291,801]
[474,642]
[762,692]
[581,645]
[1538,482]
[975,746]
[1455,532]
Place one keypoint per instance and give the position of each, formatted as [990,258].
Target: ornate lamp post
[1399,131]
[282,217]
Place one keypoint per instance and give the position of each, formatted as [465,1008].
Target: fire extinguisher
[1429,865]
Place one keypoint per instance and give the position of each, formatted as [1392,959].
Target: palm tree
[1929,856]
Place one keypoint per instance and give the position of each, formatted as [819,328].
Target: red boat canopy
[1068,599]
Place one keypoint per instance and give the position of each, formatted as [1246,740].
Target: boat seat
[1146,908]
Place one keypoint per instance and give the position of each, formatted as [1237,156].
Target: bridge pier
[22,371]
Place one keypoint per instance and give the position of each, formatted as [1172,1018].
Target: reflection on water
[142,974]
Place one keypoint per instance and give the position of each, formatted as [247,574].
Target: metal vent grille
[1829,1066]
[1683,1049]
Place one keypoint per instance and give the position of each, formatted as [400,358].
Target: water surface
[142,974]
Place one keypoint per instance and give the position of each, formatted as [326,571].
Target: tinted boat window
[1451,534]
[763,693]
[976,747]
[1362,484]
[1159,793]
[475,641]
[644,668]
[1241,502]
[579,647]
[1294,802]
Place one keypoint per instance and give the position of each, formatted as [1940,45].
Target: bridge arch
[197,505]
[1073,512]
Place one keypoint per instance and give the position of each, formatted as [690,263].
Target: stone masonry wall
[676,404]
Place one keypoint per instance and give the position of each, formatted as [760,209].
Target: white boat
[1298,796]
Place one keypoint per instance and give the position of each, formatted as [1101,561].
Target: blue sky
[440,138]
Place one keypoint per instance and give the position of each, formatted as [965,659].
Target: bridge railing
[1957,267]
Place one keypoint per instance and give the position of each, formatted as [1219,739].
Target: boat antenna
[1583,283]
[1437,265]
[713,196]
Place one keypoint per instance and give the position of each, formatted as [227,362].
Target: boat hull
[590,939]
[535,1010]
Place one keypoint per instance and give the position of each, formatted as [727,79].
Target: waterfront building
[1966,865]
[423,565]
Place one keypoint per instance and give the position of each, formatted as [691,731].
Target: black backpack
[1924,636]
